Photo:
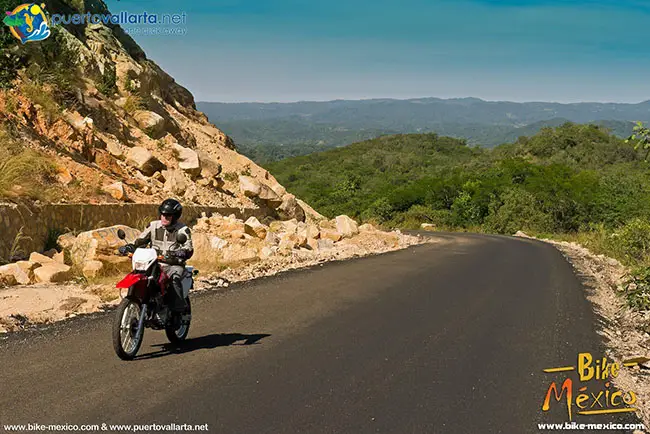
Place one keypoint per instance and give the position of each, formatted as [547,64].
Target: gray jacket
[163,239]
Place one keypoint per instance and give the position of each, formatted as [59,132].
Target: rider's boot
[178,304]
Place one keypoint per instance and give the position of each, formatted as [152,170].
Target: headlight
[140,266]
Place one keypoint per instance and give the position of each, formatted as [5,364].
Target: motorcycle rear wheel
[126,336]
[178,334]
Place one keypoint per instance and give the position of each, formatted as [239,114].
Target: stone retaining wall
[28,229]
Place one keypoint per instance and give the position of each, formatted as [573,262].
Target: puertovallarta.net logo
[28,22]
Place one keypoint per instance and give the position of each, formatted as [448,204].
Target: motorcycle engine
[161,316]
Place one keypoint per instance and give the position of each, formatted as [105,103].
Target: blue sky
[290,50]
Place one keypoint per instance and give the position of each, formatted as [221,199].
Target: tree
[641,138]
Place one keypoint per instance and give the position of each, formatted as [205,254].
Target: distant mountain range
[288,129]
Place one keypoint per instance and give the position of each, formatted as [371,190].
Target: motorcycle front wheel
[179,332]
[127,337]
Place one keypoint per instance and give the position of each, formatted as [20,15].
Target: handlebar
[171,260]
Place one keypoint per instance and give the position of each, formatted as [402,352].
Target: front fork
[143,314]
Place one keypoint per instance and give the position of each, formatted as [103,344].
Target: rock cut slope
[115,127]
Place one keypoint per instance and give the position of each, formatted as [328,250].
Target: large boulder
[278,189]
[19,275]
[28,267]
[114,263]
[308,230]
[270,196]
[310,212]
[287,243]
[224,227]
[330,234]
[266,252]
[63,175]
[115,149]
[217,243]
[205,249]
[52,273]
[116,190]
[312,243]
[151,123]
[249,186]
[367,227]
[40,258]
[144,161]
[290,209]
[174,182]
[66,240]
[236,253]
[100,244]
[188,160]
[8,280]
[325,244]
[92,268]
[346,226]
[253,227]
[288,226]
[271,238]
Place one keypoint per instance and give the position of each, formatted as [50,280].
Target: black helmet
[171,206]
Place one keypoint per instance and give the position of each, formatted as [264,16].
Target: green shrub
[418,214]
[464,211]
[631,242]
[24,174]
[517,209]
[230,176]
[133,103]
[54,62]
[40,95]
[380,210]
[107,83]
[637,289]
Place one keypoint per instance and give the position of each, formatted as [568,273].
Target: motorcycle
[143,300]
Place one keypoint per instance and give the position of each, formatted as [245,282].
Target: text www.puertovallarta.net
[104,427]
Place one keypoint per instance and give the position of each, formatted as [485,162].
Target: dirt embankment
[227,250]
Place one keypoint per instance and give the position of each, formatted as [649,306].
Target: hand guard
[129,248]
[180,254]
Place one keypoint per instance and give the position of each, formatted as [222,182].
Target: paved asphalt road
[449,337]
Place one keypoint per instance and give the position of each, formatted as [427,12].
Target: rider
[162,236]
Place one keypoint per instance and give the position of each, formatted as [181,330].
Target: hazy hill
[422,112]
[271,131]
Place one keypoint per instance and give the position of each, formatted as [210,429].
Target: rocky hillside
[104,124]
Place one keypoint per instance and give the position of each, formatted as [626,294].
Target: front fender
[130,280]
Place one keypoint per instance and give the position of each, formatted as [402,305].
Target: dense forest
[563,179]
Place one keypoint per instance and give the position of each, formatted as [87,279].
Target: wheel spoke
[128,327]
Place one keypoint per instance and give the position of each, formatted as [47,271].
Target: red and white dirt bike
[143,301]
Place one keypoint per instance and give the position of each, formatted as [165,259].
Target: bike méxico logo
[604,400]
[28,23]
